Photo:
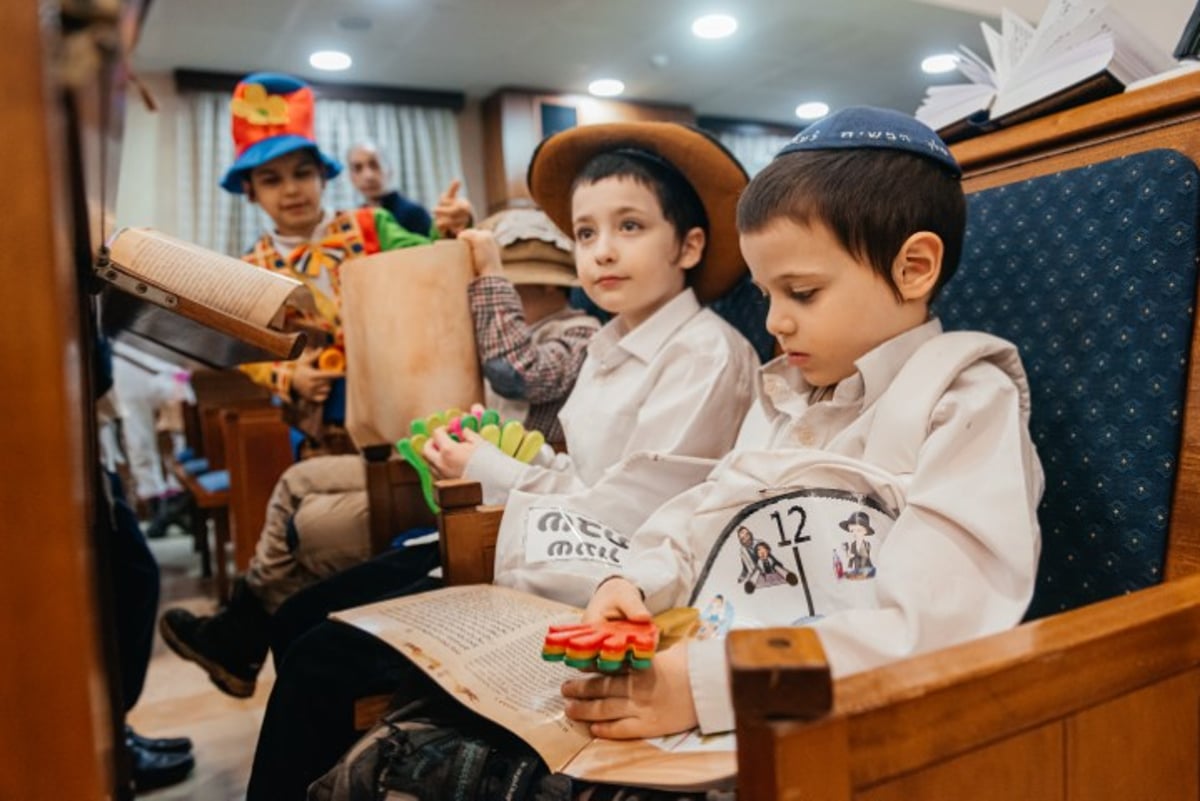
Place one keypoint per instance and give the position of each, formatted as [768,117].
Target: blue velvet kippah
[879,128]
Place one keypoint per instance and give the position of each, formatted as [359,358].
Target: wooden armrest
[468,532]
[258,449]
[931,709]
[394,499]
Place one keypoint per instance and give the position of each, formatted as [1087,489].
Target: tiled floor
[179,699]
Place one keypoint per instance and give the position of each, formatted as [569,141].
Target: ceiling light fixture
[606,87]
[714,26]
[942,62]
[812,111]
[331,60]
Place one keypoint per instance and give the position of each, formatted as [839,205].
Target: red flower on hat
[258,107]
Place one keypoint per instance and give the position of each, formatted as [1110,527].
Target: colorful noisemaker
[607,646]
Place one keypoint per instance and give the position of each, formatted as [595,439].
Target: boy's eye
[630,225]
[583,234]
[802,295]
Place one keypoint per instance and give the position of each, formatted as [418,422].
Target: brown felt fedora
[712,171]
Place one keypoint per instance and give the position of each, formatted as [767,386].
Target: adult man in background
[371,177]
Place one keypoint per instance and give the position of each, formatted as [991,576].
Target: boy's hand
[641,703]
[616,599]
[309,381]
[452,213]
[447,458]
[485,251]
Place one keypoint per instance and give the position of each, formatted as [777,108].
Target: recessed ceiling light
[812,111]
[942,62]
[714,26]
[606,87]
[332,60]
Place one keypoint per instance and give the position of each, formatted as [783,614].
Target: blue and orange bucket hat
[272,115]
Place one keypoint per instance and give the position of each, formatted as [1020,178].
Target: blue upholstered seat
[1091,272]
[214,481]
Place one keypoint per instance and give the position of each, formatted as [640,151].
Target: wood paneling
[1110,753]
[1028,767]
[512,129]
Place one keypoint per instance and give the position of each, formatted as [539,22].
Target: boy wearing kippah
[892,506]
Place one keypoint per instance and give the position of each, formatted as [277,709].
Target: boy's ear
[918,265]
[691,249]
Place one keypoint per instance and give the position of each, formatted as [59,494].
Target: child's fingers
[451,191]
[598,687]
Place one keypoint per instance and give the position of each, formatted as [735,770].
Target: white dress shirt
[651,413]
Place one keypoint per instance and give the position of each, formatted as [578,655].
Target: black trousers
[323,667]
[135,586]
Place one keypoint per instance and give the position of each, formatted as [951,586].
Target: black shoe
[154,769]
[162,745]
[230,645]
[168,510]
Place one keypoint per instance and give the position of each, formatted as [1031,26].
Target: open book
[1080,51]
[482,643]
[184,302]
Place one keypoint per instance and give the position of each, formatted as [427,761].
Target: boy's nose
[778,324]
[604,251]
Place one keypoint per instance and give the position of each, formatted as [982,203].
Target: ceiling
[785,52]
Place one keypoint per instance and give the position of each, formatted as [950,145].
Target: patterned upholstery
[1091,272]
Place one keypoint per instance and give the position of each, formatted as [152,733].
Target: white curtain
[420,144]
[754,151]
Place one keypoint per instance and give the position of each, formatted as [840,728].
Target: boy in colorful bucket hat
[280,167]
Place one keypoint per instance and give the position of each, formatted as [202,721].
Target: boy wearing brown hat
[881,426]
[650,206]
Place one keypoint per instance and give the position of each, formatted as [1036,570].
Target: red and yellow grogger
[606,646]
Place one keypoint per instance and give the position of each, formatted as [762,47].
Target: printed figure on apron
[768,571]
[858,550]
[715,618]
[746,538]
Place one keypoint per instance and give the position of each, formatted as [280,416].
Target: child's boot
[230,645]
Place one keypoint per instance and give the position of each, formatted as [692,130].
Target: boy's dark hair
[680,203]
[872,201]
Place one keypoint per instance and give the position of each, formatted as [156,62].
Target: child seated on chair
[660,396]
[901,451]
[898,486]
[280,167]
[530,343]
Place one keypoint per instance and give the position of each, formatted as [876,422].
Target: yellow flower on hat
[259,108]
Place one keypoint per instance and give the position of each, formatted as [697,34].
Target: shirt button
[804,436]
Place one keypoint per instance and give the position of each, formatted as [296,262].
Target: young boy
[531,345]
[665,379]
[661,394]
[280,167]
[901,450]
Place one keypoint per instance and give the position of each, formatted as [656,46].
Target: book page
[483,645]
[211,279]
[688,761]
